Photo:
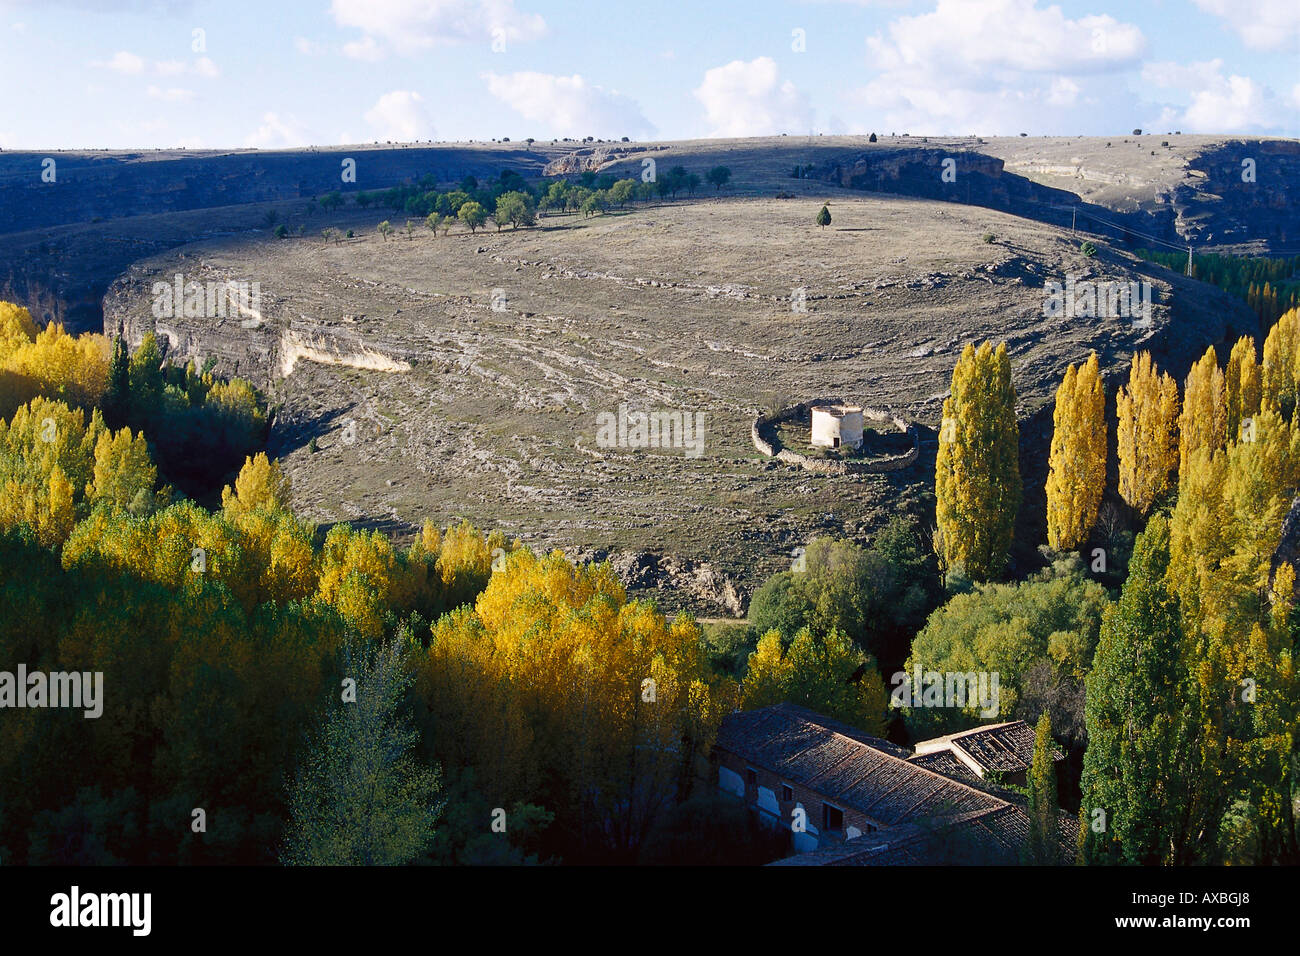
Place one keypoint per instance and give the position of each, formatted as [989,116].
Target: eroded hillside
[505,348]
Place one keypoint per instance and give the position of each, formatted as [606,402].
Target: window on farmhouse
[832,817]
[787,794]
[751,777]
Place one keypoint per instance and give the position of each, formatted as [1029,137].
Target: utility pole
[1073,211]
[1189,260]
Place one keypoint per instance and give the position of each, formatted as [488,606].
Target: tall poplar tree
[1043,846]
[360,796]
[1140,785]
[1204,422]
[1077,475]
[1242,382]
[977,472]
[1146,435]
[1279,369]
[117,398]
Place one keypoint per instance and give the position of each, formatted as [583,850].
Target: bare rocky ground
[684,306]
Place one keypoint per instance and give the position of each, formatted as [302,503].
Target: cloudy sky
[272,73]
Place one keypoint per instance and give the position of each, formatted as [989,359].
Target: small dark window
[787,794]
[751,777]
[832,817]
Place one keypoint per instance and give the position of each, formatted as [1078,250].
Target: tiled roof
[1006,748]
[980,837]
[857,770]
[935,810]
[944,762]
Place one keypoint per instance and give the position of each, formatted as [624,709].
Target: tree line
[1189,692]
[270,673]
[1269,285]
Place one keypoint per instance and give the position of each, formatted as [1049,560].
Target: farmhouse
[853,799]
[837,426]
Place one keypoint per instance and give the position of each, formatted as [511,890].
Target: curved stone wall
[771,446]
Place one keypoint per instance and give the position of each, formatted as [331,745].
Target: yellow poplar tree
[1077,475]
[1244,388]
[16,327]
[977,472]
[1204,421]
[60,515]
[123,469]
[1279,369]
[260,484]
[1146,433]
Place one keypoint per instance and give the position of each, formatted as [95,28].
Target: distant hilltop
[1210,191]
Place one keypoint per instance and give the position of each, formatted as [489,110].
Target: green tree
[385,229]
[1043,846]
[359,796]
[117,400]
[824,217]
[878,595]
[1038,636]
[1139,782]
[515,208]
[719,176]
[622,191]
[146,376]
[473,215]
[826,674]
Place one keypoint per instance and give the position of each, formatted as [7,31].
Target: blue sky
[134,73]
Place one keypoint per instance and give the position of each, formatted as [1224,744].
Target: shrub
[1088,248]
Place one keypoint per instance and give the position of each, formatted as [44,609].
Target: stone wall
[765,441]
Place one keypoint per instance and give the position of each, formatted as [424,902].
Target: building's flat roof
[837,410]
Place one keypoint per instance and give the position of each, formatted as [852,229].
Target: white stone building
[837,426]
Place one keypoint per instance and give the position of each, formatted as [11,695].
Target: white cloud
[1215,103]
[364,49]
[1063,92]
[275,132]
[569,105]
[969,38]
[201,67]
[173,94]
[308,47]
[400,116]
[749,99]
[1261,24]
[412,26]
[998,67]
[122,62]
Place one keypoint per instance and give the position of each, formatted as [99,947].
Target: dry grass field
[685,307]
